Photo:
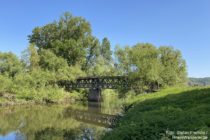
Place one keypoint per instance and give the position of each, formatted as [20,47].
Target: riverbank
[59,97]
[170,110]
[7,99]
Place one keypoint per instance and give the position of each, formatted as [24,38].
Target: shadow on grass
[151,119]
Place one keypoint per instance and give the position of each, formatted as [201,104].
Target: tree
[174,66]
[100,59]
[106,52]
[145,65]
[101,68]
[34,57]
[30,57]
[153,67]
[10,64]
[70,38]
[59,66]
[93,53]
[122,61]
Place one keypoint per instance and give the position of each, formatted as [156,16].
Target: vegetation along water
[160,102]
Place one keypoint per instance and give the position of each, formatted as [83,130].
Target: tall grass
[173,109]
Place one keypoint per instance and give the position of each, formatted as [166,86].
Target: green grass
[173,109]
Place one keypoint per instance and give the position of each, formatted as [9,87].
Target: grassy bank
[45,96]
[158,115]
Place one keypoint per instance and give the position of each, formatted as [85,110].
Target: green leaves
[49,61]
[145,58]
[9,64]
[173,109]
[154,67]
[174,66]
[68,38]
[106,52]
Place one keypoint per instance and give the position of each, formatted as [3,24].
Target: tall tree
[100,56]
[174,66]
[34,57]
[122,61]
[70,38]
[101,68]
[106,50]
[93,53]
[30,57]
[145,64]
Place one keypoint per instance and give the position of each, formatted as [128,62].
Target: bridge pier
[94,95]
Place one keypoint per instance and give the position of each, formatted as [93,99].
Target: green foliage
[35,86]
[57,52]
[174,70]
[92,53]
[66,49]
[106,52]
[69,38]
[30,57]
[49,61]
[9,64]
[101,68]
[6,83]
[111,103]
[145,64]
[150,67]
[100,59]
[71,50]
[123,62]
[34,57]
[38,85]
[175,109]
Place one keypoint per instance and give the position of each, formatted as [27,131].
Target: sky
[182,24]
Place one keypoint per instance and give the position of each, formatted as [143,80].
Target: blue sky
[183,24]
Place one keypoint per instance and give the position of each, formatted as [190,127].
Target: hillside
[199,81]
[162,114]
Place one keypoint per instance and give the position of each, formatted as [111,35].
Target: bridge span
[96,84]
[104,82]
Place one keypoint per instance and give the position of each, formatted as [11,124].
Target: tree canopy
[69,37]
[163,66]
[9,64]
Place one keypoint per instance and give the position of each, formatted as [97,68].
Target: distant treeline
[199,81]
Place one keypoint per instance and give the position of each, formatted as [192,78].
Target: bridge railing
[106,82]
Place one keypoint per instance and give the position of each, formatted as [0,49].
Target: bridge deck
[104,82]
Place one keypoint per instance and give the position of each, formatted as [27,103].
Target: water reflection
[70,134]
[91,116]
[94,107]
[55,122]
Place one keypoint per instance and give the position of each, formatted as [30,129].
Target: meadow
[154,115]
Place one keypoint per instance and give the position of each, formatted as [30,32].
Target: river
[86,121]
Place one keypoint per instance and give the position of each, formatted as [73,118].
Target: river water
[87,121]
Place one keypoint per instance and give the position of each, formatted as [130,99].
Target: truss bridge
[96,84]
[105,82]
